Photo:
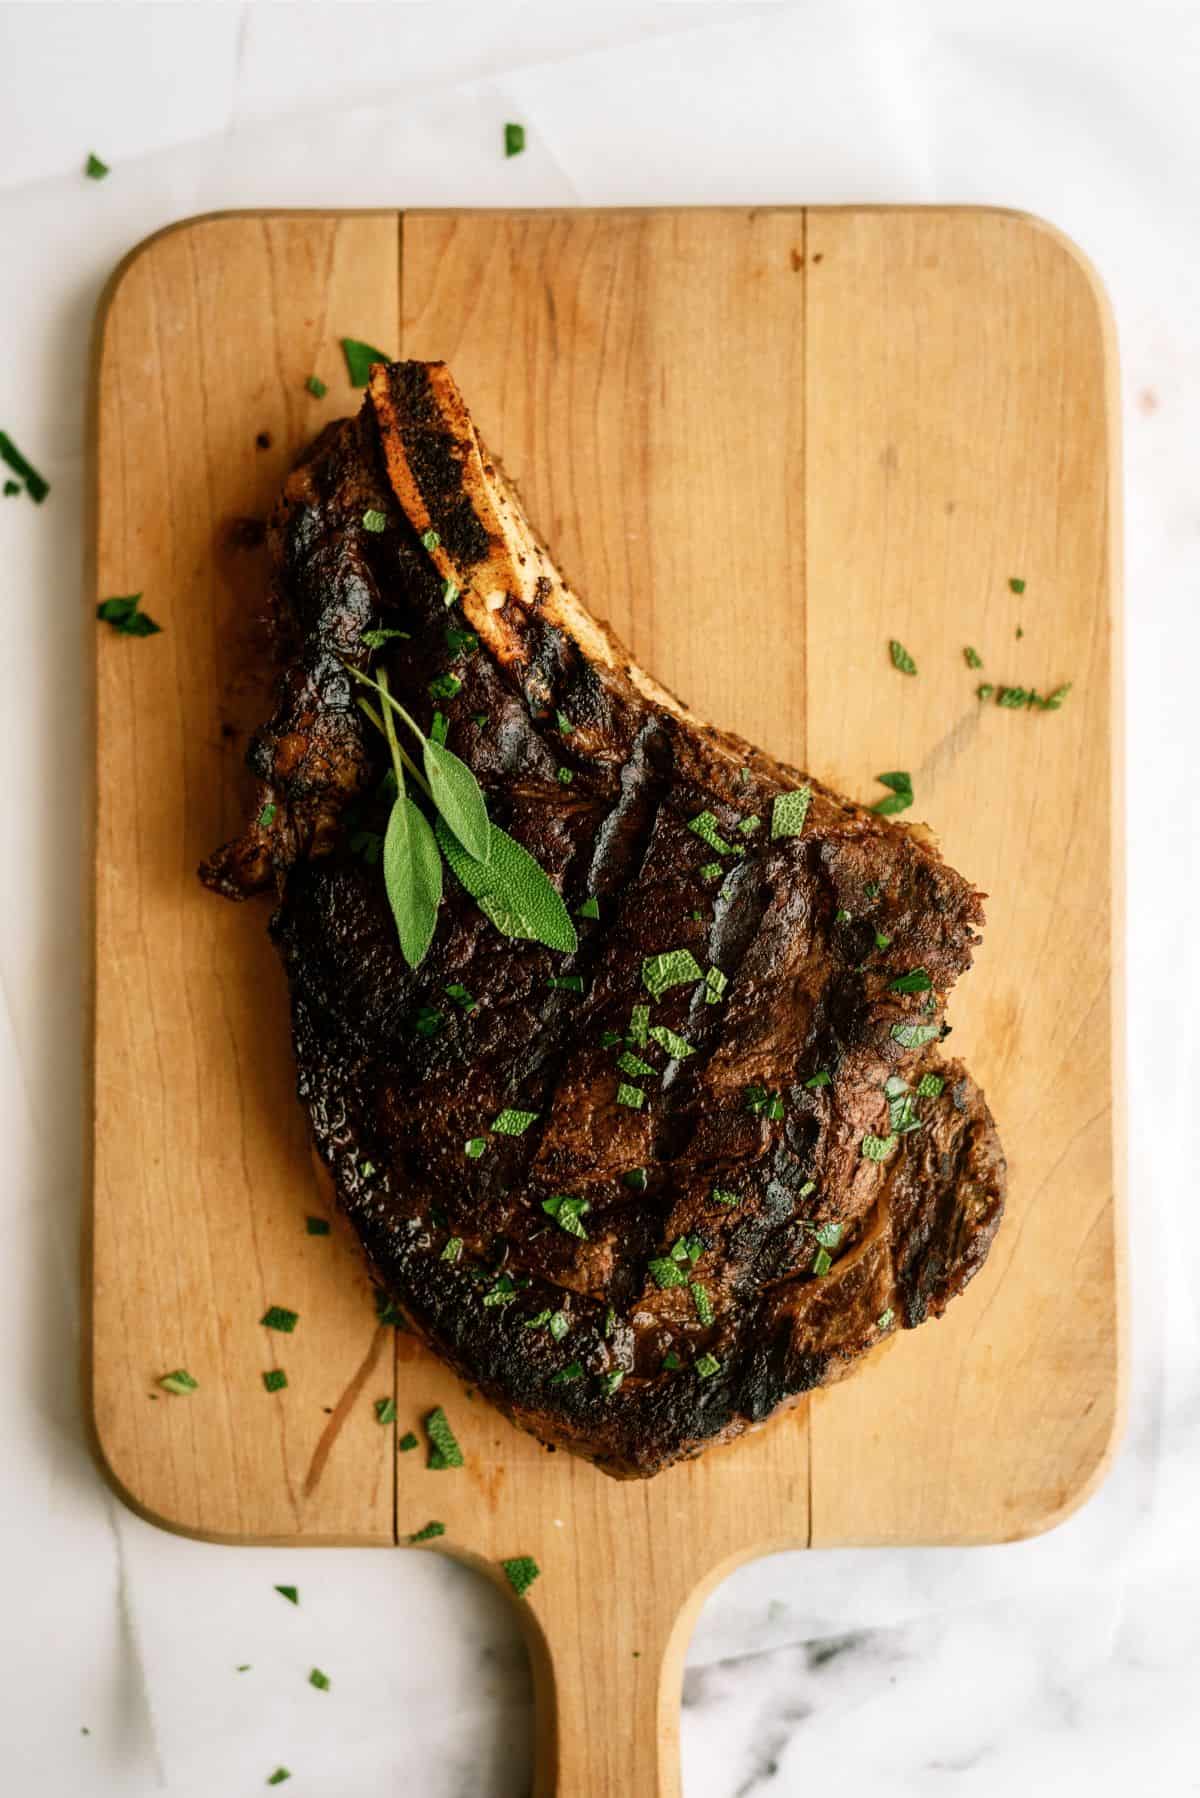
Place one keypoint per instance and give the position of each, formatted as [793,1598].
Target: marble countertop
[1068,1663]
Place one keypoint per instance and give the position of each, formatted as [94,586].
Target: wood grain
[762,443]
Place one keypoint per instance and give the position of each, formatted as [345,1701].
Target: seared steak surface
[725,1240]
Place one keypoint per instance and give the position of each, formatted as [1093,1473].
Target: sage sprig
[509,886]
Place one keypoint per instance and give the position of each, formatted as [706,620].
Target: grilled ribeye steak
[752,1183]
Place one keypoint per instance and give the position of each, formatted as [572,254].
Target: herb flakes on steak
[742,1161]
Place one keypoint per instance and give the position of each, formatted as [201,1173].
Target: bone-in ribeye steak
[733,1242]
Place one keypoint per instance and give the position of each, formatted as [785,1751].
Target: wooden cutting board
[762,442]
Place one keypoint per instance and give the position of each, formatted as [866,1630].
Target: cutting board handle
[608,1701]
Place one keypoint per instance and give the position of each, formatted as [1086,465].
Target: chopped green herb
[564,723]
[374,521]
[428,1021]
[915,981]
[756,1099]
[461,996]
[687,1248]
[749,825]
[702,1302]
[900,797]
[666,1273]
[453,1249]
[809,1186]
[915,1036]
[428,1533]
[539,1322]
[276,1380]
[291,1593]
[789,812]
[567,1375]
[565,983]
[520,1572]
[267,815]
[886,1318]
[590,908]
[819,1079]
[11,488]
[631,1096]
[1012,698]
[443,1447]
[973,657]
[1054,700]
[715,983]
[878,1148]
[901,658]
[244,1668]
[610,1038]
[449,591]
[720,1197]
[902,1115]
[439,730]
[1015,584]
[407,1442]
[445,686]
[632,1064]
[320,1680]
[514,139]
[502,1292]
[377,639]
[711,871]
[317,1226]
[704,824]
[930,1086]
[94,169]
[636,1179]
[671,968]
[828,1235]
[560,1325]
[511,1123]
[1019,632]
[841,916]
[460,642]
[126,618]
[387,1312]
[871,890]
[36,486]
[707,1365]
[639,1026]
[385,1410]
[277,1778]
[479,719]
[678,1047]
[985,690]
[316,387]
[359,360]
[430,540]
[567,1213]
[882,939]
[278,1317]
[474,1147]
[612,1381]
[822,1262]
[565,777]
[180,1382]
[775,1107]
[671,1361]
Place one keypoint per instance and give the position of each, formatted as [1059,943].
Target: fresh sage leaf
[458,798]
[511,890]
[412,872]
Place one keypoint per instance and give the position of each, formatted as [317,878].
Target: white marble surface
[1066,1664]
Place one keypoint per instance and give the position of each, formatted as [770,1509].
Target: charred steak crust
[809,931]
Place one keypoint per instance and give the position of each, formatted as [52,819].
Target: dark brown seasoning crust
[391,1108]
